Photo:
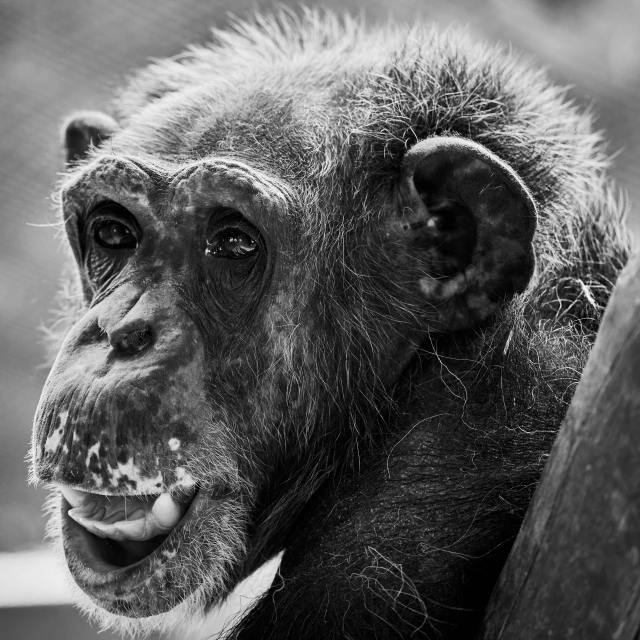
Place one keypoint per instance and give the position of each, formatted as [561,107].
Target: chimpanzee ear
[85,130]
[470,220]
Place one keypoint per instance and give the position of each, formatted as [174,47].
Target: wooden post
[574,570]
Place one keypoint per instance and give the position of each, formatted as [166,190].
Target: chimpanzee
[336,285]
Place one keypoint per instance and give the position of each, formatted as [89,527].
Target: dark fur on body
[410,546]
[414,490]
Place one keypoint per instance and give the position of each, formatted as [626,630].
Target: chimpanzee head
[264,235]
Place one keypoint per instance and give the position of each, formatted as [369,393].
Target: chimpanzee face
[145,419]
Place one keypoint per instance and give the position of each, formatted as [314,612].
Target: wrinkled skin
[324,318]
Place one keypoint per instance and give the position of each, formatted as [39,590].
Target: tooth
[85,511]
[76,514]
[89,525]
[74,497]
[166,511]
[108,531]
[133,529]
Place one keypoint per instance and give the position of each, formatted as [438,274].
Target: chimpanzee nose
[129,338]
[130,319]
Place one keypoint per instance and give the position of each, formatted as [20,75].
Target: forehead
[277,121]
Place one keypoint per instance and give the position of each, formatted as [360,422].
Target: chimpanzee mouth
[111,532]
[133,555]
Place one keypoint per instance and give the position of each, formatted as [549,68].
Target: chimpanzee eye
[113,227]
[231,236]
[114,235]
[231,243]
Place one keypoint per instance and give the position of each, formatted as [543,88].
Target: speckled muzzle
[123,423]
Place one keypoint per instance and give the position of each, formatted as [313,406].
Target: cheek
[268,395]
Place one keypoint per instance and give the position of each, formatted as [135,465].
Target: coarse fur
[398,493]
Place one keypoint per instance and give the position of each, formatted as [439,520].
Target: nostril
[133,341]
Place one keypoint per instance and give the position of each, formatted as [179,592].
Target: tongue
[124,518]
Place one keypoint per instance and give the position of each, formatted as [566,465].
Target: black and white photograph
[319,321]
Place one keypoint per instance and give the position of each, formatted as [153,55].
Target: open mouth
[118,531]
[134,555]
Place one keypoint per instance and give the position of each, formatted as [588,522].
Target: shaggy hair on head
[350,99]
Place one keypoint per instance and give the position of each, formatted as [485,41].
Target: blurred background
[61,55]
